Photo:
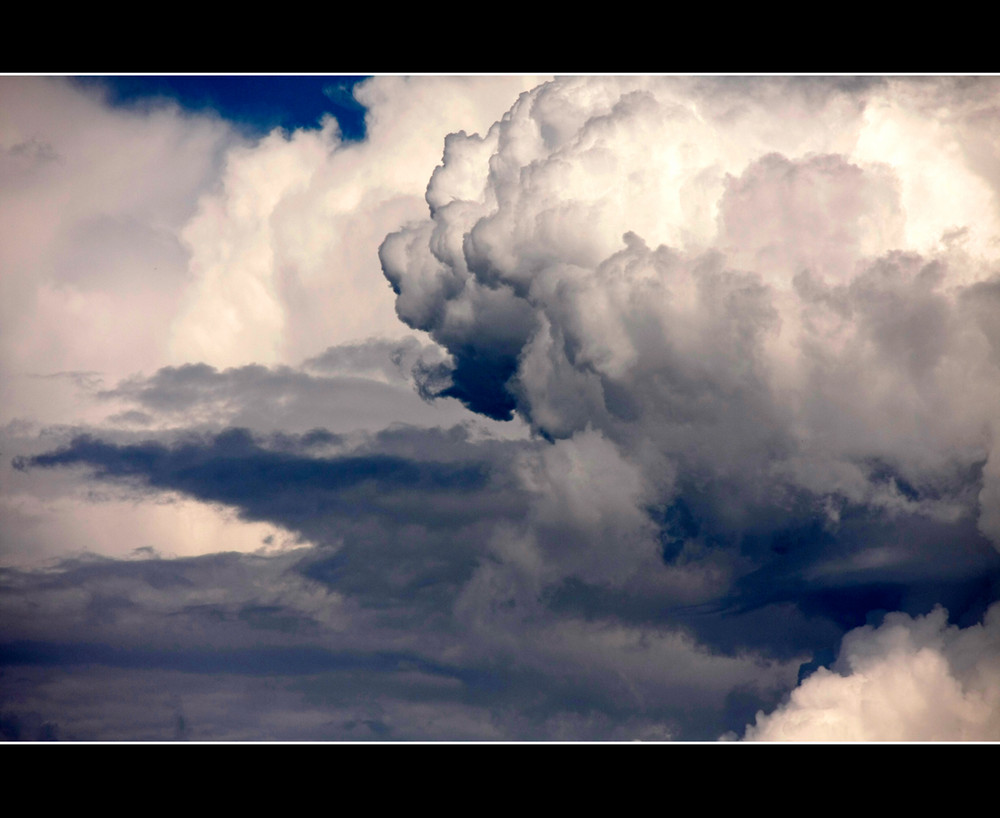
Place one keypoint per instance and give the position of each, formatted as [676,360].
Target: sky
[500,408]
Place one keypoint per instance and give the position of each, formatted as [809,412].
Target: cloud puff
[910,679]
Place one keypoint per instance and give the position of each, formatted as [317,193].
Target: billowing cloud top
[761,288]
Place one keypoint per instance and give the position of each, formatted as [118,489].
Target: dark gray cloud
[410,527]
[420,569]
[213,630]
[233,467]
[282,484]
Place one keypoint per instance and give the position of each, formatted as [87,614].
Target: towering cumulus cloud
[637,258]
[757,318]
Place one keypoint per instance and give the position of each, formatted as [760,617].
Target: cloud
[910,679]
[360,387]
[233,468]
[732,373]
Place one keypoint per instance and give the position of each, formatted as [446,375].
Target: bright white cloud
[284,255]
[910,679]
[92,202]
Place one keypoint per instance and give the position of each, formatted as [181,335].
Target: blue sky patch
[256,103]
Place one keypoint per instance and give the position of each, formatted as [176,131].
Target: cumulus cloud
[910,679]
[636,257]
